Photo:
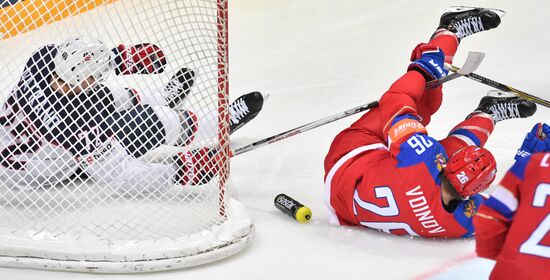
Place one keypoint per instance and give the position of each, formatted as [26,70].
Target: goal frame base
[223,241]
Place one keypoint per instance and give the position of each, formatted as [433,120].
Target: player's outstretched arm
[405,94]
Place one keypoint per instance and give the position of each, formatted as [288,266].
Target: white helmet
[78,58]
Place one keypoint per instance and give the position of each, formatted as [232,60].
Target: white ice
[320,57]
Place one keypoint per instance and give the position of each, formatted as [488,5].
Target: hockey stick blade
[503,87]
[471,64]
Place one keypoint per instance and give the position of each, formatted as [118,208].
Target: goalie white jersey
[47,136]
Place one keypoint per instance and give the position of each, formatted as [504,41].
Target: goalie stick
[503,87]
[472,62]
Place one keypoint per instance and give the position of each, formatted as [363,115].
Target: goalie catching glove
[197,167]
[143,58]
[537,140]
[429,60]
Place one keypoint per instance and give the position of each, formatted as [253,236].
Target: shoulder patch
[403,128]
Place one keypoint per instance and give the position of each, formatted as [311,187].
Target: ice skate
[465,21]
[244,109]
[179,86]
[502,106]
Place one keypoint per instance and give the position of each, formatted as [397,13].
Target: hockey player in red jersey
[513,226]
[385,172]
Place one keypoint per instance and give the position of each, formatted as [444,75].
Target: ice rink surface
[316,58]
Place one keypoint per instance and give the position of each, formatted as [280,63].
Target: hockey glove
[537,140]
[143,58]
[429,60]
[197,167]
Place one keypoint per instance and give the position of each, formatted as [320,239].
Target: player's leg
[241,111]
[171,95]
[144,128]
[187,125]
[400,99]
[474,131]
[454,25]
[124,173]
[477,128]
[46,165]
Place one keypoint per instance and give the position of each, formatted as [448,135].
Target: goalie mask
[79,58]
[471,170]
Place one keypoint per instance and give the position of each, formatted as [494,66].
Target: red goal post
[81,223]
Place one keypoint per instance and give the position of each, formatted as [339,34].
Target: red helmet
[471,170]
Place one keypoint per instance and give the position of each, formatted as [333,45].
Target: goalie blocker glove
[429,61]
[537,140]
[143,58]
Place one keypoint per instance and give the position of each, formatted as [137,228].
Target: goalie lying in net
[62,117]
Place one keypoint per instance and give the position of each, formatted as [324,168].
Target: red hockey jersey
[513,226]
[383,171]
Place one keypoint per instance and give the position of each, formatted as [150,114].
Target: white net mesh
[113,157]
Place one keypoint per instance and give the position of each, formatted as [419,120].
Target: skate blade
[500,93]
[265,96]
[454,9]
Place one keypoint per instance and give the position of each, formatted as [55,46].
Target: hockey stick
[503,87]
[303,128]
[471,64]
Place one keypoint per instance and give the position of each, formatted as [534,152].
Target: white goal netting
[110,161]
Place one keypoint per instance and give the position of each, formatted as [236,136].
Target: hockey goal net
[56,212]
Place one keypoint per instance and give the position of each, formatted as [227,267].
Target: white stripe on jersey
[328,182]
[506,197]
[465,139]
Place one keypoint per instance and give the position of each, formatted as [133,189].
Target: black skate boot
[179,86]
[465,21]
[244,109]
[503,106]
